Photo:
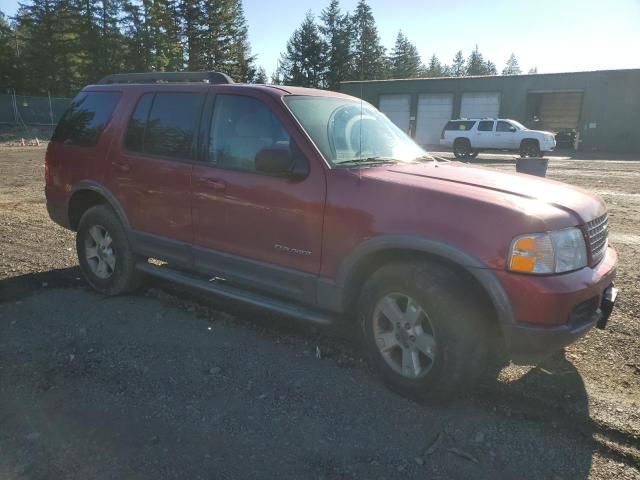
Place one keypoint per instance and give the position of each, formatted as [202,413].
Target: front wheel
[424,333]
[530,148]
[106,259]
[462,148]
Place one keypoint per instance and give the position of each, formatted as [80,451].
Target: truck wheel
[424,333]
[106,259]
[474,153]
[461,148]
[529,148]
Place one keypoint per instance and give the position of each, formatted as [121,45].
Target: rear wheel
[529,148]
[462,148]
[425,334]
[106,259]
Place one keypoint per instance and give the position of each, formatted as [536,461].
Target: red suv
[314,205]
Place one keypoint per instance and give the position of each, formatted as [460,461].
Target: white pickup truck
[468,137]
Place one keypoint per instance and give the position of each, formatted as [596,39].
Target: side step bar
[233,293]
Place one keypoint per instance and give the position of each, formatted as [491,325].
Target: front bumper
[555,311]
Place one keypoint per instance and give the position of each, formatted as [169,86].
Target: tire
[530,148]
[473,154]
[461,148]
[456,330]
[106,259]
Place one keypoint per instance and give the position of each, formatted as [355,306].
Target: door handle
[212,183]
[121,167]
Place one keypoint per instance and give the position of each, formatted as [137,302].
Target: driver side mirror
[279,162]
[512,129]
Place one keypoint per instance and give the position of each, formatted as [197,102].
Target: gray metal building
[602,107]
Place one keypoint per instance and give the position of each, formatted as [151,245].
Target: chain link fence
[23,110]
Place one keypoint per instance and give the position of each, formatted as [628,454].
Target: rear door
[252,228]
[150,174]
[483,137]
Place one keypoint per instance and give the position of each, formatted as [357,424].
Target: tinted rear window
[85,119]
[485,126]
[165,124]
[460,125]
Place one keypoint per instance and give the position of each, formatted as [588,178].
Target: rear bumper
[58,214]
[555,311]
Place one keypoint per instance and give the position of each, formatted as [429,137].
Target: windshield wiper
[376,159]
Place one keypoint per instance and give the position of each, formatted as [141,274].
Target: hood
[583,205]
[542,132]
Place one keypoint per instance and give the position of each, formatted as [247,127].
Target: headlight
[551,252]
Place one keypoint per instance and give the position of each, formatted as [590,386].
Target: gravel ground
[169,384]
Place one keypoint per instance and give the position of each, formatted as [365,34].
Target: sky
[552,35]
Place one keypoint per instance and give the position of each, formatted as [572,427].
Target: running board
[234,293]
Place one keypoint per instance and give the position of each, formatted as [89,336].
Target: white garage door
[396,107]
[434,111]
[480,105]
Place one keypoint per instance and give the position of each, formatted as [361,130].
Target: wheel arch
[529,139]
[376,252]
[87,194]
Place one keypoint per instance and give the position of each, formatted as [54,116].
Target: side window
[165,124]
[134,137]
[241,127]
[172,124]
[462,125]
[485,126]
[504,127]
[85,119]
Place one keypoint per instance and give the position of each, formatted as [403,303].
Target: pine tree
[533,70]
[512,67]
[303,62]
[369,59]
[8,71]
[475,63]
[435,68]
[490,68]
[458,66]
[336,35]
[260,76]
[241,64]
[405,60]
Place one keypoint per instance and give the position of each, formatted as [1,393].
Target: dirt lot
[166,384]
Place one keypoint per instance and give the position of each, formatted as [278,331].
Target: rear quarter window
[458,125]
[85,119]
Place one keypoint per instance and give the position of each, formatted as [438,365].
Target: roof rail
[167,77]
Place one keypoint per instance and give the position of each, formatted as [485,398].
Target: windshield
[348,131]
[518,125]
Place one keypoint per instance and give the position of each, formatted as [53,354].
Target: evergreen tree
[405,60]
[8,71]
[336,35]
[435,68]
[490,68]
[241,64]
[458,66]
[512,67]
[303,62]
[369,60]
[260,76]
[475,63]
[533,70]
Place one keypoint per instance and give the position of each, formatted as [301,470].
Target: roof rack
[167,77]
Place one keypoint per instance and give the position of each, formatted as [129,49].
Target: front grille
[598,233]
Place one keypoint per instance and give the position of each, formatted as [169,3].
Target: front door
[256,229]
[505,135]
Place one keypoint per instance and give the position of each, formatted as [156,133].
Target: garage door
[559,111]
[434,111]
[480,105]
[396,107]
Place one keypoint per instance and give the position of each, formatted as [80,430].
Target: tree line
[58,46]
[342,46]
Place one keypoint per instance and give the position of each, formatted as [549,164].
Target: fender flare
[484,275]
[103,192]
